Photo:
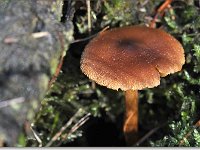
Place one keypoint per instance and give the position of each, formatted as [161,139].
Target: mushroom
[131,58]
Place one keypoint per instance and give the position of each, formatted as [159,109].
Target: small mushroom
[131,58]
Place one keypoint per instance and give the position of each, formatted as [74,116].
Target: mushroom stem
[131,117]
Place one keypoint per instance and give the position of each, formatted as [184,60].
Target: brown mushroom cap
[131,57]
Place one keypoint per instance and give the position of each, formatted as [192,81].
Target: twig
[53,79]
[91,36]
[197,124]
[40,34]
[6,103]
[150,133]
[36,137]
[75,127]
[10,40]
[84,39]
[104,29]
[89,15]
[78,125]
[58,134]
[160,12]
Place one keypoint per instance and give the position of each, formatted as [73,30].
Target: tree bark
[32,40]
